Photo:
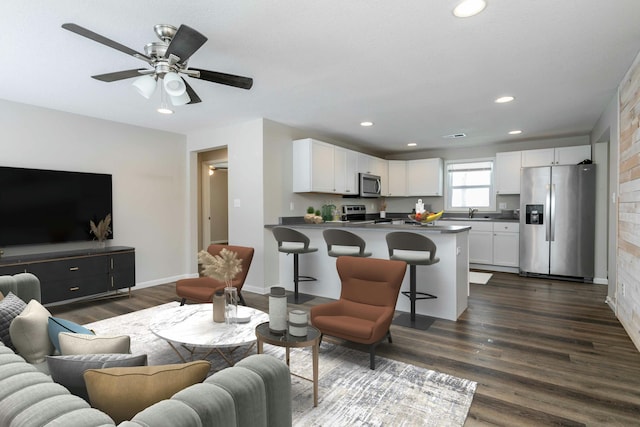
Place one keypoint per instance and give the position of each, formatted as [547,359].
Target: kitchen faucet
[472,211]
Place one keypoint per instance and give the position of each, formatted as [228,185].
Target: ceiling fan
[168,61]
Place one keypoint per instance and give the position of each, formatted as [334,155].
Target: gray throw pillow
[68,370]
[10,307]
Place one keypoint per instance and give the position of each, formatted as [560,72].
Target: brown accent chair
[201,289]
[363,314]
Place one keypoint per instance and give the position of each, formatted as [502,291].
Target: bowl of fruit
[425,217]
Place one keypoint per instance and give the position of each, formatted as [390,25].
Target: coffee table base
[193,351]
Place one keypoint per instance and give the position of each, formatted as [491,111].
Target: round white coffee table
[191,328]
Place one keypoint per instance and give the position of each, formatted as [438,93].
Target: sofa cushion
[123,392]
[55,325]
[29,333]
[10,307]
[69,370]
[72,343]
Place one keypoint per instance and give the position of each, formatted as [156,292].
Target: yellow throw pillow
[123,392]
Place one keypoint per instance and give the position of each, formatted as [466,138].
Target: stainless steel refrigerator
[557,221]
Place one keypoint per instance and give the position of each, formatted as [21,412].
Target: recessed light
[504,99]
[515,132]
[411,144]
[366,124]
[468,8]
[164,111]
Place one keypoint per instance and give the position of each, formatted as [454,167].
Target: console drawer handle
[74,269]
[75,288]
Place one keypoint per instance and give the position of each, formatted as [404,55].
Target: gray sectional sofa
[256,392]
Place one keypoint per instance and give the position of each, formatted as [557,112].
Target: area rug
[479,278]
[350,394]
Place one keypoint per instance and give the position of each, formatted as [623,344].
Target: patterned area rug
[350,394]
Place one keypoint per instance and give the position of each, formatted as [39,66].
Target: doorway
[213,198]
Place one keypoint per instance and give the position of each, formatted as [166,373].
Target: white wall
[149,179]
[607,129]
[244,143]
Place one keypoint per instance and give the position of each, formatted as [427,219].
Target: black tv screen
[46,206]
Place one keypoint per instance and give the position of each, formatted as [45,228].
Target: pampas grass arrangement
[103,229]
[223,267]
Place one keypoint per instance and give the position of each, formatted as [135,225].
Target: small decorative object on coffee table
[277,311]
[224,267]
[288,341]
[218,306]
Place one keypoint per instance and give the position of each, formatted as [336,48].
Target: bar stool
[422,251]
[342,242]
[291,241]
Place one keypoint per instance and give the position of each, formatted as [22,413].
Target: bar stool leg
[297,297]
[413,320]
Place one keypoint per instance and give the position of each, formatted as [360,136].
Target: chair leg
[320,341]
[412,289]
[389,336]
[242,301]
[183,301]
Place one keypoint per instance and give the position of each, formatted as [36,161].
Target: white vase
[277,311]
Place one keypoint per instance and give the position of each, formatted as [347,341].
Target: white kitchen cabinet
[344,171]
[506,244]
[323,168]
[425,177]
[556,156]
[480,242]
[397,173]
[507,172]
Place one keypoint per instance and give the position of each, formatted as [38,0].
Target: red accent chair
[201,289]
[363,314]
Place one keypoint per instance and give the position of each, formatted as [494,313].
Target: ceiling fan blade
[192,94]
[119,75]
[185,43]
[103,40]
[225,79]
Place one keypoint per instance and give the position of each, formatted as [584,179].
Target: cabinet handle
[75,288]
[74,269]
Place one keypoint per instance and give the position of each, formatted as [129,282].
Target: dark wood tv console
[79,273]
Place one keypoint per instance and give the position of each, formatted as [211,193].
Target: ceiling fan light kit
[145,85]
[173,84]
[168,60]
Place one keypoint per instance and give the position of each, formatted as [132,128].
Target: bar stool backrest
[406,241]
[336,237]
[291,241]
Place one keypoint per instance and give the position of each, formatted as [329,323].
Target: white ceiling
[409,66]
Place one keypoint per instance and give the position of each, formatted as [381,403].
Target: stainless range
[353,213]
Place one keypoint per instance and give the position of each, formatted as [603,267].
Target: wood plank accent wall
[628,268]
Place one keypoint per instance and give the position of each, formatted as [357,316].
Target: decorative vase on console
[224,267]
[101,231]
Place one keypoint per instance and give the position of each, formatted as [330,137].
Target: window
[469,184]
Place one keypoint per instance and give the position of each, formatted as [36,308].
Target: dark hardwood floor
[544,352]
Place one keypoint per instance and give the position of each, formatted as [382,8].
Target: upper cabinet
[425,177]
[323,168]
[556,156]
[397,181]
[374,166]
[507,172]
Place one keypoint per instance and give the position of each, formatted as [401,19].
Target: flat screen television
[47,206]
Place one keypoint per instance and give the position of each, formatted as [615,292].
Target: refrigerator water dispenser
[534,214]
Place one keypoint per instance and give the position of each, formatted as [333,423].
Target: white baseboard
[163,281]
[600,281]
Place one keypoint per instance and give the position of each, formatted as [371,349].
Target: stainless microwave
[370,185]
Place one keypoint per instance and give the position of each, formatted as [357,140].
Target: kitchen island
[448,279]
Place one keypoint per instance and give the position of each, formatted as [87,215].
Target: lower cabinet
[506,244]
[492,243]
[75,274]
